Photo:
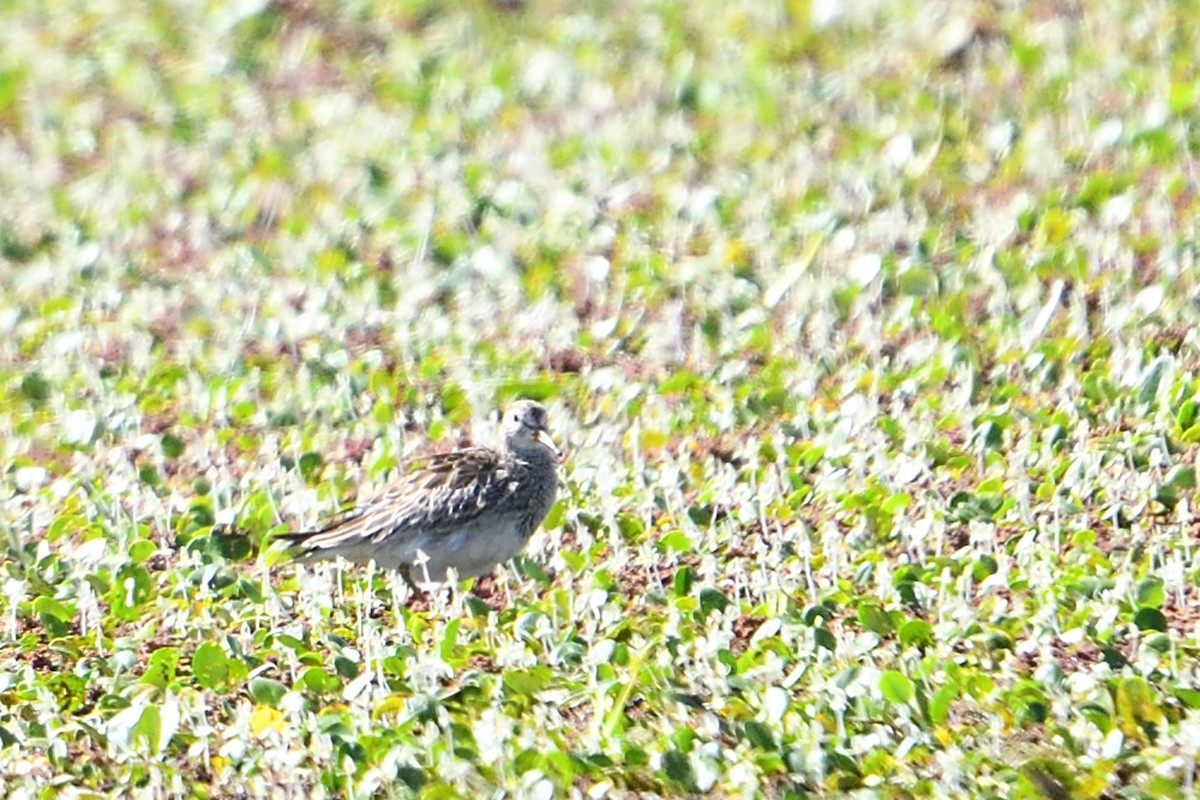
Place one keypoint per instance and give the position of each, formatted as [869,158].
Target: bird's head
[524,427]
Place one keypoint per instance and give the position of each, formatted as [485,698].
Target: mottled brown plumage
[467,510]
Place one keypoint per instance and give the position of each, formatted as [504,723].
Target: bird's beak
[544,438]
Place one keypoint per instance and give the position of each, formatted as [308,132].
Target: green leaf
[630,526]
[967,507]
[210,665]
[1028,702]
[537,389]
[685,578]
[267,691]
[675,542]
[1189,697]
[1148,386]
[1159,642]
[759,735]
[12,78]
[65,524]
[939,706]
[1181,476]
[810,456]
[141,550]
[35,388]
[1137,708]
[449,644]
[69,691]
[1187,414]
[896,687]
[1150,619]
[528,681]
[233,546]
[347,667]
[149,727]
[1150,593]
[712,600]
[677,768]
[988,435]
[917,282]
[1092,586]
[817,612]
[320,681]
[1049,779]
[1098,388]
[1181,96]
[172,446]
[49,607]
[478,608]
[681,381]
[412,777]
[875,619]
[983,567]
[896,503]
[916,633]
[131,588]
[311,464]
[292,643]
[166,657]
[1191,435]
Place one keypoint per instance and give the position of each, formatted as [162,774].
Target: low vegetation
[868,327]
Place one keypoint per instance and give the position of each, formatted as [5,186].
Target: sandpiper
[467,510]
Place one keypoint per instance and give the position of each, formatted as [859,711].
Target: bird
[466,510]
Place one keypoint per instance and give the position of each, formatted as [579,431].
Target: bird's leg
[406,573]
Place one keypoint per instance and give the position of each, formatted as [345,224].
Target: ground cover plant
[868,326]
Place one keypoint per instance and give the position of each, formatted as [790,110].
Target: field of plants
[868,327]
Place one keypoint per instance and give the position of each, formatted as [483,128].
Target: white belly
[471,551]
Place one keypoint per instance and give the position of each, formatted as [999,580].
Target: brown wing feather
[441,491]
